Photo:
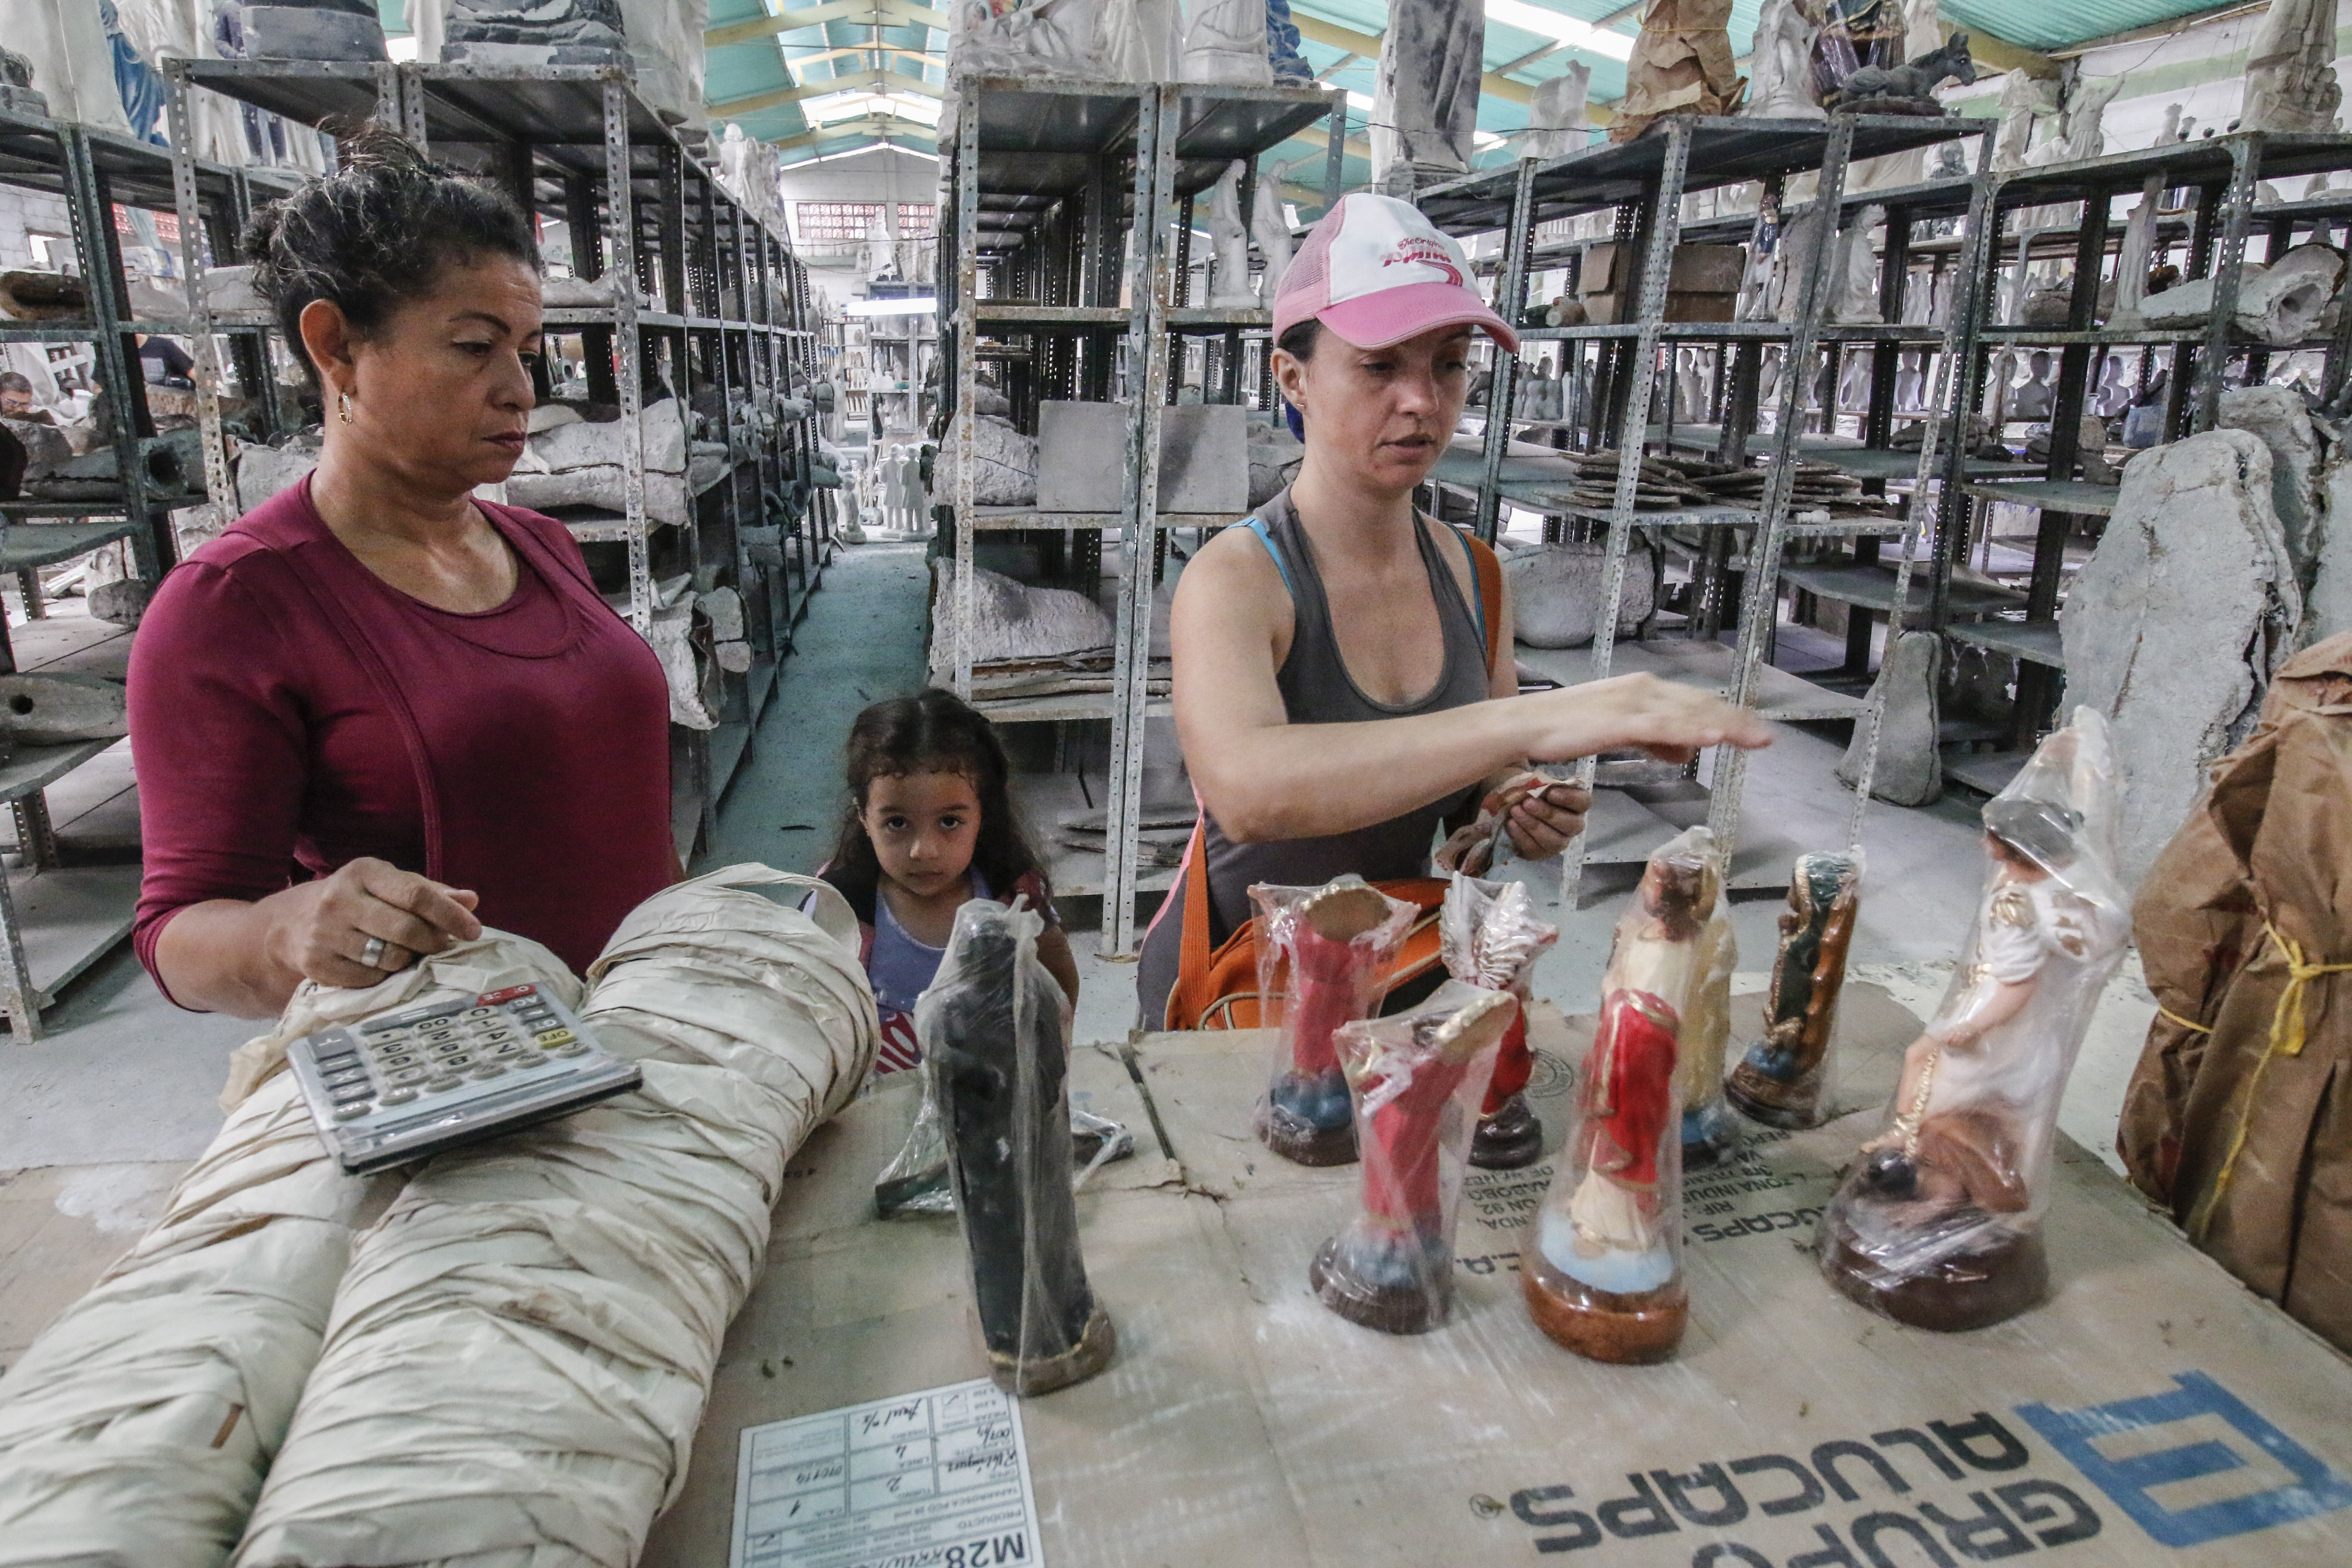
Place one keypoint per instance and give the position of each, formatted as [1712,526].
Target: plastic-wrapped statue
[1938,1222]
[991,1026]
[1488,936]
[1785,1080]
[1225,42]
[1602,1263]
[1710,1129]
[1417,1079]
[1323,960]
[1556,115]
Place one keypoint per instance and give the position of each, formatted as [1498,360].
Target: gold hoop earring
[344,407]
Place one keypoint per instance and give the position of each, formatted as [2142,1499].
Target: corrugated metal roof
[2054,23]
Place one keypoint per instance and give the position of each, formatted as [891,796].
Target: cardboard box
[1082,457]
[1602,310]
[1697,269]
[2153,1412]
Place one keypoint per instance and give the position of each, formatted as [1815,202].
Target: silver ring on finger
[372,954]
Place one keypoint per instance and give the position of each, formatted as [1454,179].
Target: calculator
[405,1086]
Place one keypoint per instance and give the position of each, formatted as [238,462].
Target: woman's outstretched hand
[1671,722]
[323,930]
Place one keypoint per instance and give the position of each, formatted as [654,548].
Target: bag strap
[1486,573]
[1192,949]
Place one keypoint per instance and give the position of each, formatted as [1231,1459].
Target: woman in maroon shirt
[377,713]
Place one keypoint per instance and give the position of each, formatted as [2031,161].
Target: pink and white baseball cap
[1376,271]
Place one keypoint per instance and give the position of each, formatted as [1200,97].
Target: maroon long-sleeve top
[290,712]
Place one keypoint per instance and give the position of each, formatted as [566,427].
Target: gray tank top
[1317,690]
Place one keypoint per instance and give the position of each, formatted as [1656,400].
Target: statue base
[1386,1282]
[1307,1139]
[1042,1374]
[1634,1330]
[1973,1290]
[1509,1139]
[1795,1107]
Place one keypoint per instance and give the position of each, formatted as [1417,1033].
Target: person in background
[928,828]
[165,363]
[16,398]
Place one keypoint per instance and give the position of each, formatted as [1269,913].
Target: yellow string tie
[2286,1040]
[2190,1025]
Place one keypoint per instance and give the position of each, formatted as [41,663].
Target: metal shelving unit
[56,919]
[1063,197]
[730,310]
[1645,181]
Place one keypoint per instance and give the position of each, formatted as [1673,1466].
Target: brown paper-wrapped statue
[1785,1078]
[2239,1120]
[1682,64]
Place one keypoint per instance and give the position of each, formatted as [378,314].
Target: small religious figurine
[1601,1266]
[1710,1130]
[1229,240]
[1785,1078]
[1937,1225]
[2031,401]
[1488,935]
[1417,1079]
[1323,960]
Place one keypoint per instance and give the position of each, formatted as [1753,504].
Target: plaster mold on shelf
[1011,620]
[518,32]
[1782,86]
[2328,609]
[2279,305]
[664,40]
[1910,770]
[310,30]
[2172,629]
[1270,229]
[2291,69]
[1857,274]
[1556,116]
[579,464]
[17,93]
[51,710]
[263,471]
[2298,452]
[1275,454]
[1556,592]
[1140,40]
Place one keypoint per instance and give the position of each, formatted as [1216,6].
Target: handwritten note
[936,1479]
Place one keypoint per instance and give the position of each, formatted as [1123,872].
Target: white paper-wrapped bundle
[520,1350]
[134,1432]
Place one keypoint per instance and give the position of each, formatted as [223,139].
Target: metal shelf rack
[730,314]
[1069,207]
[1645,181]
[56,919]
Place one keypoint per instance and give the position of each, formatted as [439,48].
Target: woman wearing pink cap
[1342,687]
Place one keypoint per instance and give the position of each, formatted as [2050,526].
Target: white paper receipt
[937,1479]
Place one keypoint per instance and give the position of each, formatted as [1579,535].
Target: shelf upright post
[966,190]
[621,266]
[1511,304]
[1955,369]
[1759,599]
[1157,127]
[1335,156]
[2237,216]
[92,208]
[220,484]
[1650,311]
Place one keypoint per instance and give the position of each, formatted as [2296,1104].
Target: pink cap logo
[1413,249]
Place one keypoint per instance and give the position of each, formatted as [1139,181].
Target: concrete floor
[97,1117]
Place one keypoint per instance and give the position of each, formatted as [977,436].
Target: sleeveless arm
[219,736]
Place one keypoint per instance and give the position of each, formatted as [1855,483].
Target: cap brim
[1389,317]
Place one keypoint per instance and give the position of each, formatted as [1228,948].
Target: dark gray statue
[1905,89]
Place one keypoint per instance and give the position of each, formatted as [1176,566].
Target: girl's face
[923,827]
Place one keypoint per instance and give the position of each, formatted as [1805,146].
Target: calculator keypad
[400,1060]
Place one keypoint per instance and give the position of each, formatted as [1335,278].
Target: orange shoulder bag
[1218,990]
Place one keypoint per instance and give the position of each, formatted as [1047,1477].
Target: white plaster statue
[1052,37]
[2023,100]
[1857,278]
[1922,34]
[1556,115]
[1426,93]
[1270,227]
[1225,44]
[734,148]
[881,248]
[1229,241]
[2291,69]
[2132,260]
[2079,135]
[1782,85]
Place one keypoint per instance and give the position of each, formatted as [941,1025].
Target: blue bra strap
[1257,525]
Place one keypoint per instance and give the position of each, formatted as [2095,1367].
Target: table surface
[2153,1411]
